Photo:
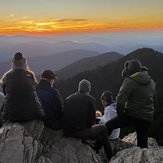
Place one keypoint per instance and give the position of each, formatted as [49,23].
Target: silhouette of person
[50,99]
[19,87]
[135,102]
[79,118]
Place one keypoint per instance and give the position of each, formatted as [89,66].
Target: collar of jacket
[135,74]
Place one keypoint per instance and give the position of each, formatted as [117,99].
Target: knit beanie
[19,62]
[84,86]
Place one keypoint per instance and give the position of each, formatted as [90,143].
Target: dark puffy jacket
[52,104]
[78,112]
[21,103]
[136,96]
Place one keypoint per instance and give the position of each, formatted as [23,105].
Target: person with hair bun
[19,87]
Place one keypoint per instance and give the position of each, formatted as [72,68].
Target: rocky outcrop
[138,155]
[31,143]
[67,150]
[131,138]
[133,154]
[19,143]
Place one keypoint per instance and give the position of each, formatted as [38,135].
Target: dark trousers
[124,121]
[97,132]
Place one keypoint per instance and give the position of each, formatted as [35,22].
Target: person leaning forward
[50,99]
[135,102]
[79,118]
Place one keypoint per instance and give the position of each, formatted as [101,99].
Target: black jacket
[21,103]
[79,112]
[52,104]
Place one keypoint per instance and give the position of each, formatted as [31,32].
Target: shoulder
[128,82]
[71,96]
[91,97]
[6,76]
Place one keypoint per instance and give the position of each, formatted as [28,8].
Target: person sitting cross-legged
[79,118]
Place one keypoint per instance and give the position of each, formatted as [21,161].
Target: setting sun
[61,17]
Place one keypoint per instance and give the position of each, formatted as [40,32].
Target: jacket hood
[141,78]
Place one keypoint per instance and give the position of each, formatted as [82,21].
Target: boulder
[132,139]
[137,155]
[19,143]
[133,154]
[61,149]
[30,142]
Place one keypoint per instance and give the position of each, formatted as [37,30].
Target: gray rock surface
[31,143]
[67,150]
[133,154]
[19,143]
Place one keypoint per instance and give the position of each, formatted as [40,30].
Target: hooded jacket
[136,96]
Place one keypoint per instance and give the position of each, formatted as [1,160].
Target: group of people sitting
[26,100]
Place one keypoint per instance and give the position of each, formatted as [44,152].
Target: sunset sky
[48,17]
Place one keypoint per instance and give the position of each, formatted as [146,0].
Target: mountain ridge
[54,62]
[88,63]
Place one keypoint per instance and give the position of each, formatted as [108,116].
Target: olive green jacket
[136,96]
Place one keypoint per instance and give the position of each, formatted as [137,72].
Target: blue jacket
[51,102]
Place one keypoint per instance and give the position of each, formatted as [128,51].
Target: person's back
[79,118]
[79,112]
[50,99]
[21,99]
[140,104]
[135,102]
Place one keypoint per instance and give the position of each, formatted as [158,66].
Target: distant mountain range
[54,62]
[33,46]
[43,47]
[86,64]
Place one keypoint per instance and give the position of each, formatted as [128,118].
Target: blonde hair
[25,68]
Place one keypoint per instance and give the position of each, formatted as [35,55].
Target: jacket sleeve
[106,117]
[123,95]
[92,113]
[59,103]
[157,112]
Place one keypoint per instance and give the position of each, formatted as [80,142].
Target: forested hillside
[109,77]
[88,63]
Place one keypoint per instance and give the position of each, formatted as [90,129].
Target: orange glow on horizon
[13,25]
